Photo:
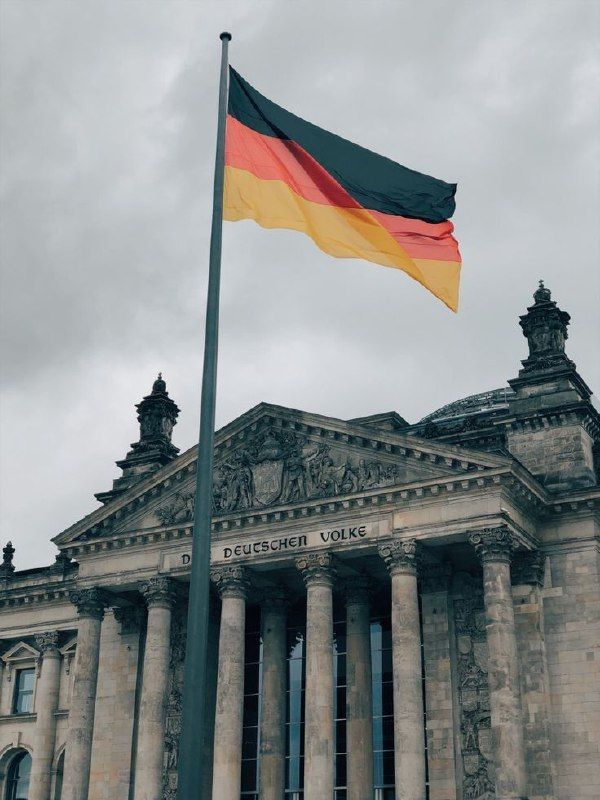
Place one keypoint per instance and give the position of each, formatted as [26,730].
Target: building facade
[398,611]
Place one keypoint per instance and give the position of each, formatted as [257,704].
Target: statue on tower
[157,415]
[545,328]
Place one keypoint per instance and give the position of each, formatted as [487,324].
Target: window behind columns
[252,682]
[339,680]
[383,706]
[17,780]
[23,696]
[294,748]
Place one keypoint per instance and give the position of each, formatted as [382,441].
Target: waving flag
[284,172]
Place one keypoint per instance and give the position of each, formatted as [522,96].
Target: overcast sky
[107,144]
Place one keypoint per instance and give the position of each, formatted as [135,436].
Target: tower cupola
[553,426]
[157,415]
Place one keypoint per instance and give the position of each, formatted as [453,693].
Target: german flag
[284,172]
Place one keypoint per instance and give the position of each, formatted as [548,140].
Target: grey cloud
[107,147]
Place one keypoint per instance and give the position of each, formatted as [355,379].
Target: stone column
[527,576]
[438,648]
[319,735]
[227,765]
[272,723]
[409,728]
[359,691]
[159,594]
[46,704]
[90,605]
[494,548]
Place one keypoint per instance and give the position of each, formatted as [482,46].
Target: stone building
[408,611]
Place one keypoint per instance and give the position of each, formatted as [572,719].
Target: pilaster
[494,547]
[232,585]
[319,735]
[90,604]
[160,595]
[46,706]
[400,557]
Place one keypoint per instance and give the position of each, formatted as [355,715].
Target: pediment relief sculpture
[279,467]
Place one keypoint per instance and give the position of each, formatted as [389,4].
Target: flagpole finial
[225,35]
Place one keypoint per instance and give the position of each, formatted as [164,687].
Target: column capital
[274,598]
[90,602]
[358,590]
[528,568]
[230,581]
[493,544]
[400,556]
[159,592]
[316,568]
[47,643]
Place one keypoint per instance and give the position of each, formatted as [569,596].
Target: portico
[396,611]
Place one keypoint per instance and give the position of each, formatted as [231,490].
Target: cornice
[25,596]
[518,481]
[581,413]
[331,430]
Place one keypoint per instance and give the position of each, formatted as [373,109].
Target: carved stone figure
[179,509]
[475,720]
[282,467]
[174,709]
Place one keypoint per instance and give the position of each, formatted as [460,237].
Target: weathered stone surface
[572,628]
[437,644]
[409,730]
[359,693]
[45,733]
[90,605]
[274,666]
[227,764]
[319,753]
[494,547]
[160,597]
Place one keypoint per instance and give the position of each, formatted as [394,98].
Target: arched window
[17,783]
[60,768]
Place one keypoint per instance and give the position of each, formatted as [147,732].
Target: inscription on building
[337,537]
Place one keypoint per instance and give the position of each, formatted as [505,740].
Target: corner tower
[157,415]
[552,425]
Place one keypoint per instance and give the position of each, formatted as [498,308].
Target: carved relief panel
[173,721]
[473,690]
[282,466]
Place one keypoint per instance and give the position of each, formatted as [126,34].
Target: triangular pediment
[20,651]
[274,456]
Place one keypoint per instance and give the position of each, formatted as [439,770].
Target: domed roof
[494,400]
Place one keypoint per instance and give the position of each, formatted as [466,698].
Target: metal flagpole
[191,767]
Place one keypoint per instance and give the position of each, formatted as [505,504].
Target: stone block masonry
[572,624]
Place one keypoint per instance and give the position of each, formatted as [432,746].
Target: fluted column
[319,736]
[409,729]
[494,547]
[160,596]
[359,691]
[272,723]
[90,605]
[227,765]
[46,704]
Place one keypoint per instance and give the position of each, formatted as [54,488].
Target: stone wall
[115,711]
[572,624]
[475,735]
[439,701]
[560,456]
[174,709]
[535,691]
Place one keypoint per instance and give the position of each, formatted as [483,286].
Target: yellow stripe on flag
[340,232]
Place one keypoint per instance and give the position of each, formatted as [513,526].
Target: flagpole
[191,765]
